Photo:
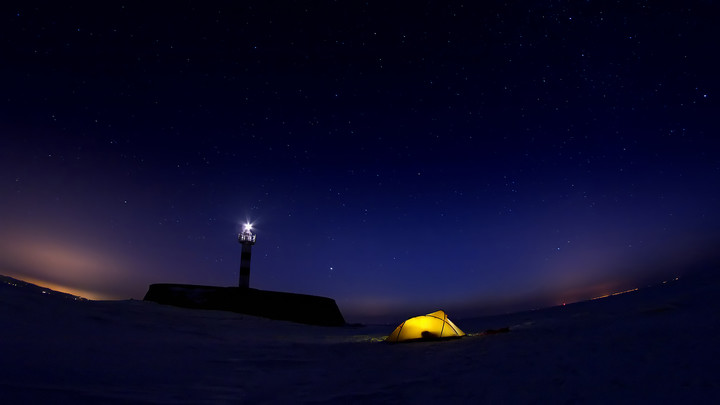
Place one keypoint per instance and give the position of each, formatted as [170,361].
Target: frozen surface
[656,344]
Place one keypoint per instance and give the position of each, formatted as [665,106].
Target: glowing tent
[426,327]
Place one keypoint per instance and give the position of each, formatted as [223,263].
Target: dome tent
[426,327]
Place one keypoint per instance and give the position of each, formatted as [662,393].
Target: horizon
[391,316]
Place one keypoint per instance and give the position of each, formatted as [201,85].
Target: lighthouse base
[301,308]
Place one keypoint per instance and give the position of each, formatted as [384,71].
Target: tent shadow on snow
[433,326]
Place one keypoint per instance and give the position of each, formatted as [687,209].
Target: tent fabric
[426,327]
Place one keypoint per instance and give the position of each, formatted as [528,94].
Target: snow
[655,344]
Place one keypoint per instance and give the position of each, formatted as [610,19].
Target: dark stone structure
[247,240]
[301,308]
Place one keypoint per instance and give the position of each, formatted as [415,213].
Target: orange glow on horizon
[62,288]
[576,298]
[615,293]
[63,266]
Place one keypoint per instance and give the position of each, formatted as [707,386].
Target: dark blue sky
[399,159]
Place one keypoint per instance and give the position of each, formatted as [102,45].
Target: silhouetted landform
[301,308]
[9,282]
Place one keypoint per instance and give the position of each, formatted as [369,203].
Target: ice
[655,344]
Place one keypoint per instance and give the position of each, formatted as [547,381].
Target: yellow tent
[426,327]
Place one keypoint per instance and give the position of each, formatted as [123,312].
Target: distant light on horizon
[78,292]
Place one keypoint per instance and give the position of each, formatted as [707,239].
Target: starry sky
[398,157]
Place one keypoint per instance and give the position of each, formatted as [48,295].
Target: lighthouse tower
[246,239]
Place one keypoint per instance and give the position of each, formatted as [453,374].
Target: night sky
[474,157]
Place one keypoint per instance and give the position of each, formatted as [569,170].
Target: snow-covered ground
[658,344]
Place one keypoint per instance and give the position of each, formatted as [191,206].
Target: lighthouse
[302,308]
[247,240]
